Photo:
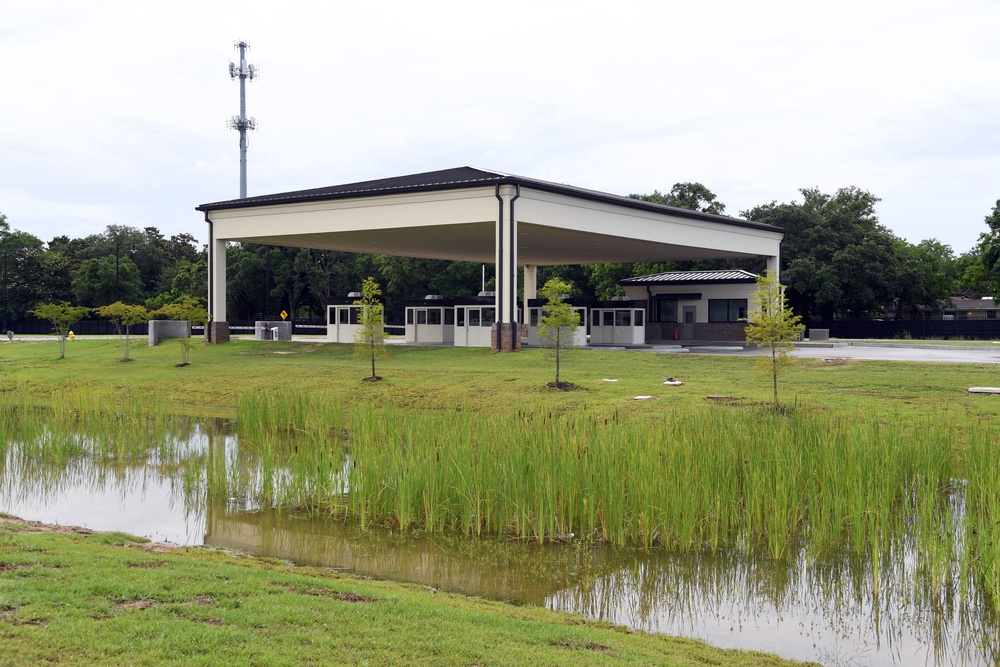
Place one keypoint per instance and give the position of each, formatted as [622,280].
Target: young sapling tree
[557,328]
[124,316]
[62,316]
[189,309]
[369,339]
[772,325]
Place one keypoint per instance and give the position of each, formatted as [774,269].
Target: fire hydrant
[71,335]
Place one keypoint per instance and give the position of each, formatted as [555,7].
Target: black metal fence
[302,327]
[977,329]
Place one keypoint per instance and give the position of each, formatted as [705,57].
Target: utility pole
[243,71]
[5,291]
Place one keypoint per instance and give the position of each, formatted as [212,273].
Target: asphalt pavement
[986,353]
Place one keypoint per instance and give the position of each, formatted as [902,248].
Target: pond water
[824,608]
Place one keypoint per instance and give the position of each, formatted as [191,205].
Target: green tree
[62,316]
[692,196]
[23,271]
[836,258]
[188,309]
[94,282]
[926,275]
[124,316]
[557,329]
[989,247]
[369,339]
[773,325]
[973,278]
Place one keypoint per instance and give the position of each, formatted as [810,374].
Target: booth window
[461,317]
[421,316]
[727,310]
[488,317]
[342,315]
[533,316]
[473,317]
[409,316]
[638,318]
[665,310]
[623,318]
[355,315]
[449,316]
[434,316]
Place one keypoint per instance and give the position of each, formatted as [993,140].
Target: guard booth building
[462,322]
[431,321]
[694,305]
[536,308]
[621,321]
[343,318]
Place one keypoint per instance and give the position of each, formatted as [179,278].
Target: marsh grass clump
[701,478]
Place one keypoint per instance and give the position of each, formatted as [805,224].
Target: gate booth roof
[451,214]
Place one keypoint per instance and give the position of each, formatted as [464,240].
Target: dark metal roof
[972,304]
[692,278]
[461,178]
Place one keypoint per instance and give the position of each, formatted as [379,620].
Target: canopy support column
[774,264]
[506,336]
[217,329]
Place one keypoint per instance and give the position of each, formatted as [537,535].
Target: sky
[116,112]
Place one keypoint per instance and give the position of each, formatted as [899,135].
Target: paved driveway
[886,351]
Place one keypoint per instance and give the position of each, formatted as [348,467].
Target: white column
[506,256]
[774,264]
[217,274]
[530,287]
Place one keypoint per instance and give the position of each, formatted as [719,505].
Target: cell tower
[243,71]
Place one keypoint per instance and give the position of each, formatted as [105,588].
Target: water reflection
[195,485]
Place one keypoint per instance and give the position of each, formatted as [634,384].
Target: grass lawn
[83,598]
[443,377]
[106,599]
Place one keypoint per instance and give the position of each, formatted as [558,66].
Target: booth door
[687,327]
[623,327]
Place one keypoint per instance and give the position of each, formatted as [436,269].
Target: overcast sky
[115,112]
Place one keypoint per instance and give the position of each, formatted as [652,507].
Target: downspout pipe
[211,274]
[513,235]
[499,267]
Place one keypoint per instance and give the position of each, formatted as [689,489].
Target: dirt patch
[39,527]
[305,349]
[320,591]
[10,567]
[145,564]
[377,378]
[561,386]
[136,604]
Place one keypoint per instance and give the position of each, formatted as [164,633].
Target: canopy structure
[482,216]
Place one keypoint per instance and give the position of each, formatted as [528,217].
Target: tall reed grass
[699,478]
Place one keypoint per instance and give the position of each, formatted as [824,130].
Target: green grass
[434,378]
[463,440]
[109,599]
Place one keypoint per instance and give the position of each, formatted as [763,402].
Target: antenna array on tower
[242,123]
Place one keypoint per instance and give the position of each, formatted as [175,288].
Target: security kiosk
[431,321]
[343,319]
[536,308]
[620,321]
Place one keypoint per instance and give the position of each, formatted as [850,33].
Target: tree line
[837,261]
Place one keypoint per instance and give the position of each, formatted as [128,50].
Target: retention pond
[196,486]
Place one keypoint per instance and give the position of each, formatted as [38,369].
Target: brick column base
[510,337]
[217,332]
